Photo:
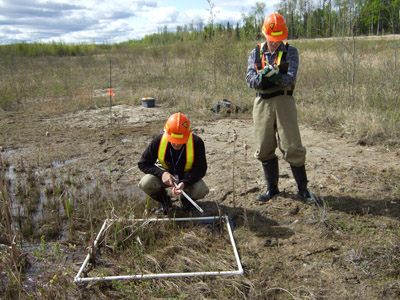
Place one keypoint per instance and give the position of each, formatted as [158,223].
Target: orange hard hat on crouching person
[177,129]
[274,28]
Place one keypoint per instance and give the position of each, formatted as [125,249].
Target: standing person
[271,71]
[176,156]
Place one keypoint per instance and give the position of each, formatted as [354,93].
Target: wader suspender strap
[278,58]
[259,57]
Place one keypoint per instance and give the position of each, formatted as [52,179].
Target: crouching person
[175,157]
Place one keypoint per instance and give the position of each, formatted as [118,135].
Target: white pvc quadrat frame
[239,271]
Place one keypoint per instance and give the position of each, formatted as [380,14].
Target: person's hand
[275,77]
[168,179]
[178,189]
[270,70]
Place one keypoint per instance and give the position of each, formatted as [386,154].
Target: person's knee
[150,184]
[146,188]
[203,192]
[265,156]
[198,191]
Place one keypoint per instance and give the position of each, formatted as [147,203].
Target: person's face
[177,146]
[272,46]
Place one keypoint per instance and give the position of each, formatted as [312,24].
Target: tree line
[333,18]
[304,18]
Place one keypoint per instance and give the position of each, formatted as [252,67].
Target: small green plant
[43,246]
[117,224]
[148,204]
[56,250]
[67,203]
[68,210]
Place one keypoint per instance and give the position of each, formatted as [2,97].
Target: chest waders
[275,124]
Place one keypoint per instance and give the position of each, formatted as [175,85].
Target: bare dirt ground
[348,249]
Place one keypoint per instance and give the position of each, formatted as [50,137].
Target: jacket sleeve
[292,57]
[252,78]
[199,167]
[147,163]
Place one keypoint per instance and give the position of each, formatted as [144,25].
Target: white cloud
[162,15]
[195,14]
[75,21]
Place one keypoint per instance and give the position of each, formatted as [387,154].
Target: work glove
[275,77]
[267,69]
[270,70]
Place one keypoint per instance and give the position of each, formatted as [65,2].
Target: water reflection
[68,161]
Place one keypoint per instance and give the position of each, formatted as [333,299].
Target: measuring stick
[191,201]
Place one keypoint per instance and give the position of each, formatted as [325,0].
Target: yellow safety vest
[162,149]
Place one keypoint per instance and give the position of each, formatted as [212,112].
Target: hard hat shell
[274,28]
[177,129]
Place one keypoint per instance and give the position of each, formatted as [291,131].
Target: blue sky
[110,21]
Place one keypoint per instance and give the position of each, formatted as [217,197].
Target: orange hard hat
[274,28]
[177,129]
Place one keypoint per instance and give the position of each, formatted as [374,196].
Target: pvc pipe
[191,201]
[240,268]
[94,245]
[176,219]
[161,275]
[165,275]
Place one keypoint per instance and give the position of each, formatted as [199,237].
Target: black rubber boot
[300,175]
[164,201]
[271,172]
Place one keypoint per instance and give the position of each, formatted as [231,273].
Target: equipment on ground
[80,276]
[148,102]
[226,106]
